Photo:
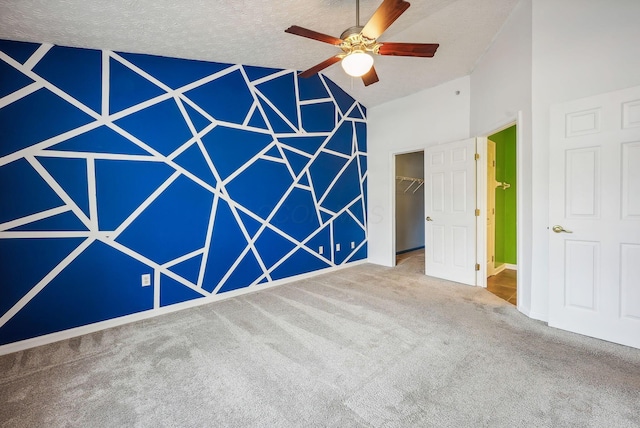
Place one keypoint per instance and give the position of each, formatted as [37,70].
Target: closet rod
[413,181]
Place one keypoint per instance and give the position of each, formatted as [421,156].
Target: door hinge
[477,156]
[494,164]
[477,212]
[477,266]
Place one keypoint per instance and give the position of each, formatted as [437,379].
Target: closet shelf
[412,180]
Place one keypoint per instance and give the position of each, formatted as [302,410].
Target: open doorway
[501,211]
[409,209]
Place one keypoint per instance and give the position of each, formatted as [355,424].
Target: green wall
[506,199]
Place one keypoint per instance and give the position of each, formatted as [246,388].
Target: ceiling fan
[357,41]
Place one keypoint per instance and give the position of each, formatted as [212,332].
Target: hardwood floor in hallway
[504,285]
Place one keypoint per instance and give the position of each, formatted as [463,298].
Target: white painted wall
[432,116]
[501,80]
[500,88]
[580,48]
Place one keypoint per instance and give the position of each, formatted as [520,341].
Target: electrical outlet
[146,279]
[320,249]
[353,245]
[337,247]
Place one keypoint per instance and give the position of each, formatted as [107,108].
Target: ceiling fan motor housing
[353,40]
[351,31]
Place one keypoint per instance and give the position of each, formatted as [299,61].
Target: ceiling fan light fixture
[357,63]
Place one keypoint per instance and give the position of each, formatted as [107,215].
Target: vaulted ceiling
[251,32]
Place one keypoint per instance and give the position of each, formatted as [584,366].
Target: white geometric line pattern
[208,177]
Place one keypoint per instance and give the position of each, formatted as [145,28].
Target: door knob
[429,219]
[558,229]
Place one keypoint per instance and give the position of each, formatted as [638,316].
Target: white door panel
[450,209]
[631,181]
[594,265]
[629,284]
[581,273]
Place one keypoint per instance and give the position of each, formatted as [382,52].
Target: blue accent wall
[209,177]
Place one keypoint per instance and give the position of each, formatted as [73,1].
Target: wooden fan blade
[383,17]
[317,68]
[310,34]
[427,50]
[370,77]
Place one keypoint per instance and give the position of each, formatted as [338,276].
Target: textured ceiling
[251,32]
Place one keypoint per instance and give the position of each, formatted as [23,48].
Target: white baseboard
[504,266]
[115,322]
[533,314]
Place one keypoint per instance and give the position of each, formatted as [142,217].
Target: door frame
[481,202]
[392,160]
[490,266]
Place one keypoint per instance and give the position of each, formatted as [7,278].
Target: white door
[594,263]
[450,232]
